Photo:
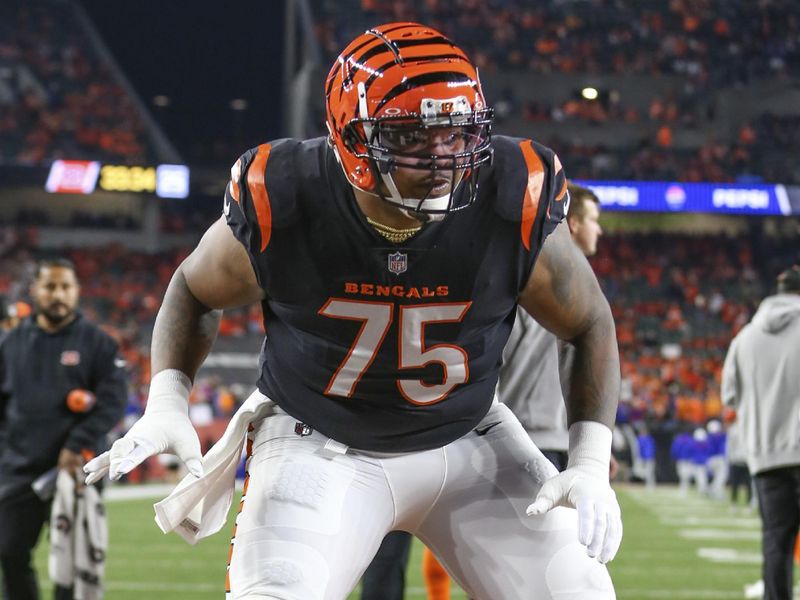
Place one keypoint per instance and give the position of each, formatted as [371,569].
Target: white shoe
[754,590]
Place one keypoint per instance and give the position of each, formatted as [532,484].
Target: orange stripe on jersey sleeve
[258,192]
[533,190]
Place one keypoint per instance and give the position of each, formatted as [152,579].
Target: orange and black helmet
[391,89]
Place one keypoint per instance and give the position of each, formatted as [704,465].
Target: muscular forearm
[595,378]
[184,330]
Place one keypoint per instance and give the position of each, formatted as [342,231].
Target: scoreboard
[122,178]
[84,177]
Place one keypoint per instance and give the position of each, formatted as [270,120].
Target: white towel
[197,508]
[61,564]
[78,539]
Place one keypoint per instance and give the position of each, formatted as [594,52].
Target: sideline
[120,492]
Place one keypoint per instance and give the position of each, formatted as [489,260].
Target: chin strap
[422,217]
[412,207]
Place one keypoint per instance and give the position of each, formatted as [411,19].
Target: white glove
[164,427]
[584,485]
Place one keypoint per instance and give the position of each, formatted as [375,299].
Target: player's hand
[164,427]
[584,485]
[599,517]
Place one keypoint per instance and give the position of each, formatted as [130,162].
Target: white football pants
[315,512]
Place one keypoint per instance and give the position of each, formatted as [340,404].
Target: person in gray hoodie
[761,380]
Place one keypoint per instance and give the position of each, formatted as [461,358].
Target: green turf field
[674,548]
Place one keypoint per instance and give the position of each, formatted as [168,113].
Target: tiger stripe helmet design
[393,93]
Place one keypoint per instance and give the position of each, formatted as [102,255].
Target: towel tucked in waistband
[198,507]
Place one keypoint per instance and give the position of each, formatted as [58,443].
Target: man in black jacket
[62,388]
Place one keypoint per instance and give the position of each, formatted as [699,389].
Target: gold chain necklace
[396,236]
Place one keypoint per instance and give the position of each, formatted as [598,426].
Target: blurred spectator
[701,450]
[717,463]
[646,467]
[681,453]
[762,382]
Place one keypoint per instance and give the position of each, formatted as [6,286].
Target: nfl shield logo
[398,263]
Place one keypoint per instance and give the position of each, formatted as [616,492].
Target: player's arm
[562,293]
[217,275]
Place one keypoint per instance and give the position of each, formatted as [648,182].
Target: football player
[389,258]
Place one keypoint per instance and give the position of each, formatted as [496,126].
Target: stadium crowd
[60,99]
[710,42]
[675,315]
[710,45]
[764,150]
[58,96]
[173,219]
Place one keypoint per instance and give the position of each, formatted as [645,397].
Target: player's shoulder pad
[531,186]
[262,192]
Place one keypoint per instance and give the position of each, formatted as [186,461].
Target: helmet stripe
[382,49]
[397,27]
[343,59]
[386,66]
[346,57]
[425,79]
[391,44]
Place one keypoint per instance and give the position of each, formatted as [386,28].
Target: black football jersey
[381,346]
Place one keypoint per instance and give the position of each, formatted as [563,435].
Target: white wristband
[590,447]
[169,390]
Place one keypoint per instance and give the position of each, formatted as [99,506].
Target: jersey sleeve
[546,199]
[260,195]
[532,189]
